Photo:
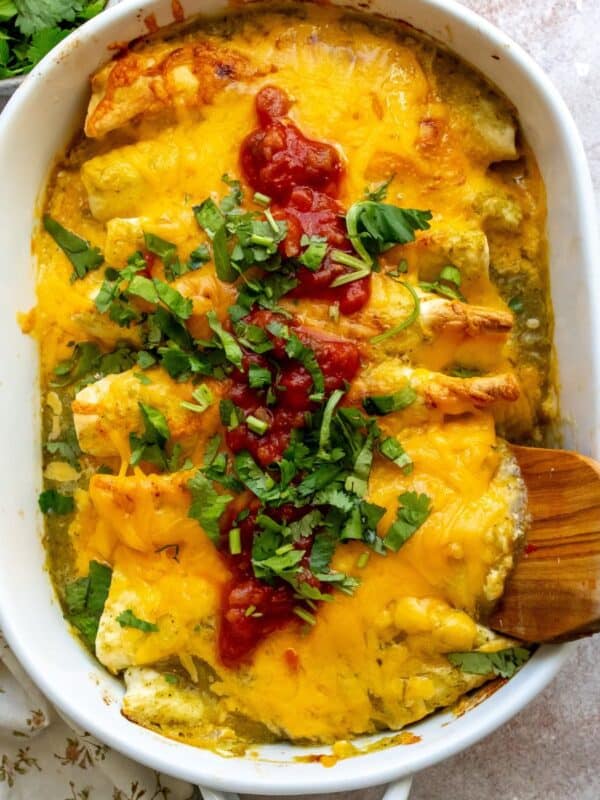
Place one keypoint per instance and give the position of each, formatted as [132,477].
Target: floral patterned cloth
[43,758]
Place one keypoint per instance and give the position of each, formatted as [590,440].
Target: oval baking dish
[52,100]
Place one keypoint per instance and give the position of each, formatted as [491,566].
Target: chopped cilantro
[412,512]
[387,403]
[375,227]
[53,502]
[316,247]
[207,504]
[83,256]
[127,619]
[447,284]
[203,397]
[231,348]
[85,599]
[167,252]
[392,449]
[503,663]
[151,445]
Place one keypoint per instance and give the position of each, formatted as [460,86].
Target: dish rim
[523,687]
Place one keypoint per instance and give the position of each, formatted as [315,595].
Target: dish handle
[399,790]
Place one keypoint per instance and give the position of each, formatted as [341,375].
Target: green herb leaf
[316,247]
[85,599]
[42,42]
[177,304]
[53,502]
[8,10]
[198,257]
[447,284]
[516,305]
[155,423]
[375,227]
[151,445]
[503,663]
[35,15]
[412,512]
[322,550]
[207,505]
[127,619]
[145,360]
[252,476]
[259,377]
[233,351]
[209,217]
[80,253]
[392,449]
[388,403]
[167,252]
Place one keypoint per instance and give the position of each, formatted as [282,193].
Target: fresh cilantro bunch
[31,28]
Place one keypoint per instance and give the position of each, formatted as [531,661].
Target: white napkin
[43,758]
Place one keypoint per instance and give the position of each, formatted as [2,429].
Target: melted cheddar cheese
[166,120]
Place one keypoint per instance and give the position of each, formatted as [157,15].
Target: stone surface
[551,751]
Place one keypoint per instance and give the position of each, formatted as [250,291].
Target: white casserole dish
[35,126]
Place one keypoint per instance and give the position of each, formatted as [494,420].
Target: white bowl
[35,126]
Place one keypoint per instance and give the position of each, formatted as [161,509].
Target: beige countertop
[551,751]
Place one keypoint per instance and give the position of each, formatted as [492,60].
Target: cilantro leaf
[447,284]
[82,255]
[316,247]
[207,505]
[167,252]
[85,599]
[198,257]
[35,15]
[375,227]
[155,291]
[252,476]
[322,550]
[412,512]
[259,377]
[305,355]
[8,10]
[42,42]
[503,663]
[387,403]
[233,351]
[127,619]
[151,445]
[99,577]
[392,449]
[53,502]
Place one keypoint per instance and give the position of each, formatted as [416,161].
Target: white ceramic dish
[35,126]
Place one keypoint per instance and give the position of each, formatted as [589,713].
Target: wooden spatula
[553,594]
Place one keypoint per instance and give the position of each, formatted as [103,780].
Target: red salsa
[251,609]
[292,385]
[303,177]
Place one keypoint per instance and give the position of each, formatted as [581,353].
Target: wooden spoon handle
[553,593]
